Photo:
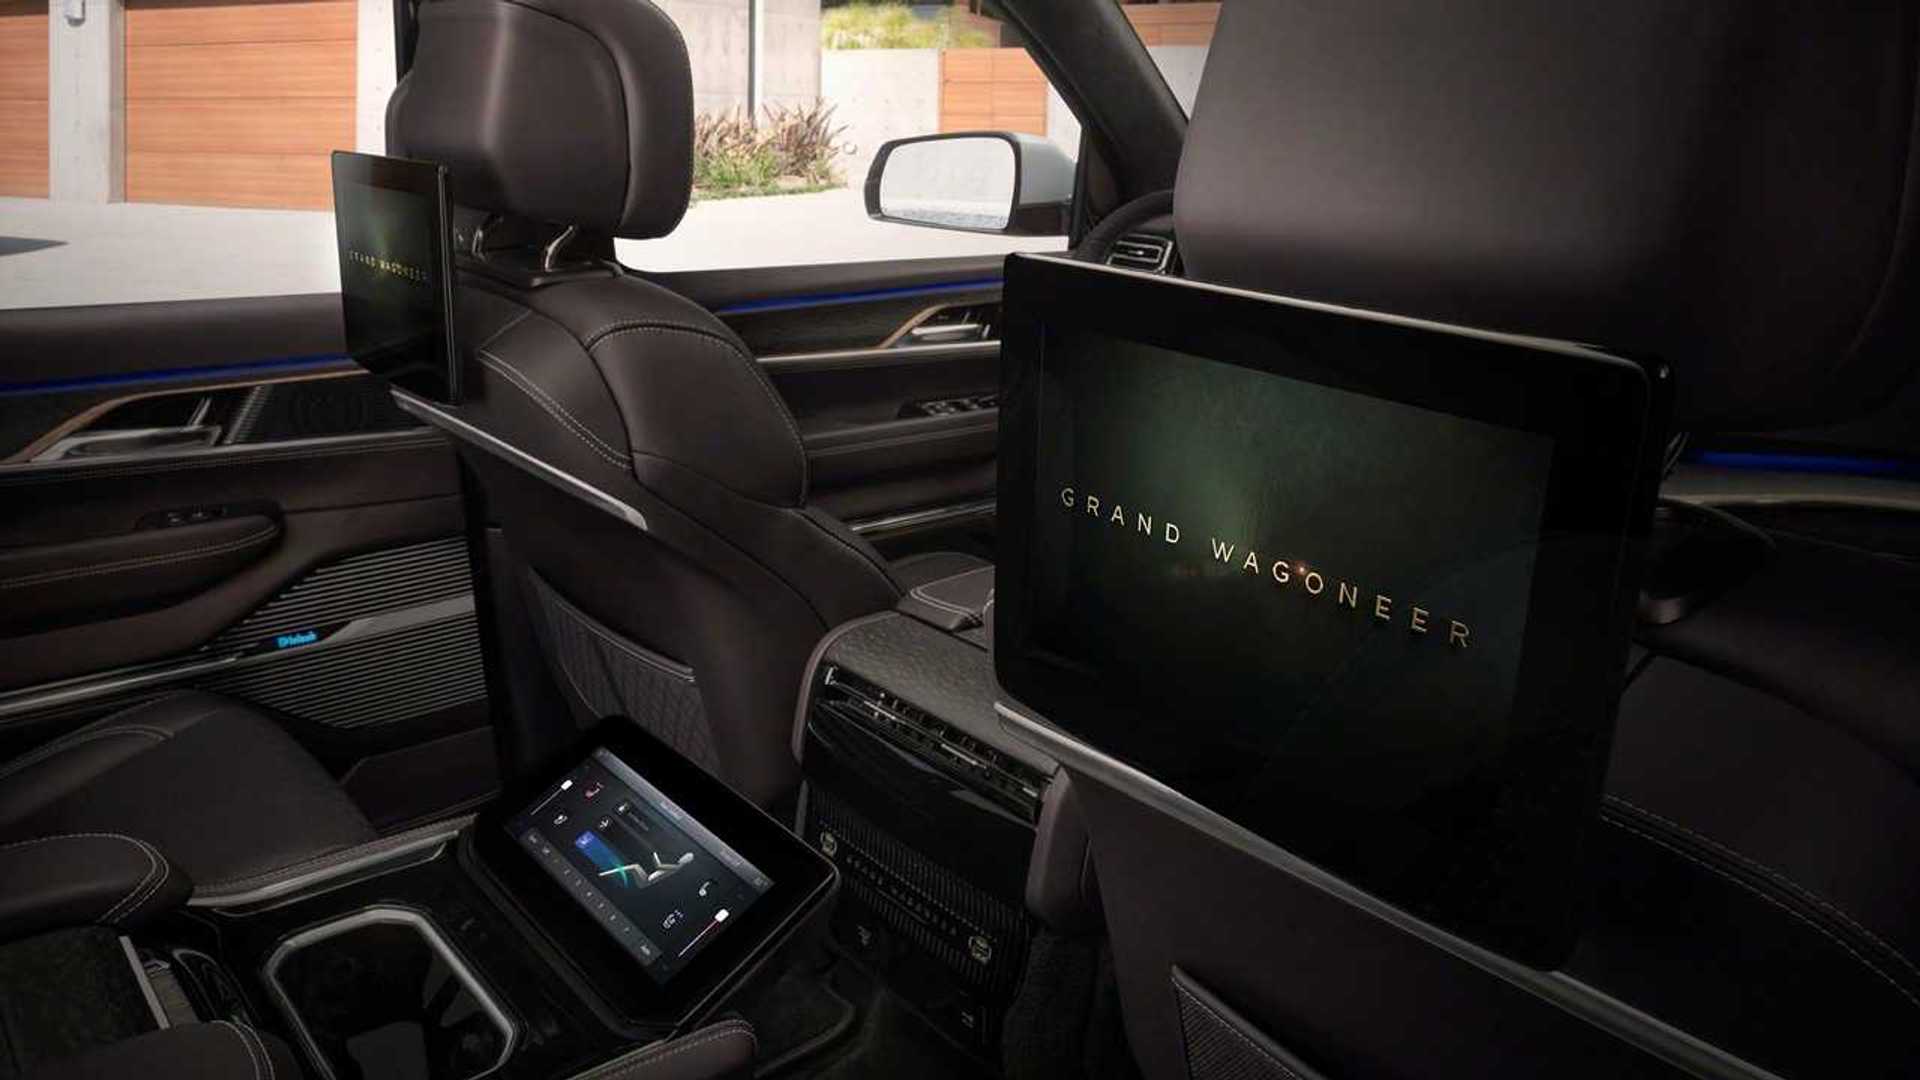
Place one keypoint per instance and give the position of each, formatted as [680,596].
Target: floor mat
[890,1041]
[797,1017]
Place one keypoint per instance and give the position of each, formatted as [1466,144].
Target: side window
[789,126]
[158,150]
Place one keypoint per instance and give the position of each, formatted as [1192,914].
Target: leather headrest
[1723,184]
[575,112]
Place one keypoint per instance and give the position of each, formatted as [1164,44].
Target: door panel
[890,370]
[348,614]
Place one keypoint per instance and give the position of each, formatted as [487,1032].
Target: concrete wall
[790,73]
[717,36]
[86,104]
[879,94]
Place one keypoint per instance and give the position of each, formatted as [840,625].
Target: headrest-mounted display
[1725,185]
[572,112]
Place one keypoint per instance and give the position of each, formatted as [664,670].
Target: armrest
[80,879]
[722,1051]
[962,601]
[135,571]
[221,1050]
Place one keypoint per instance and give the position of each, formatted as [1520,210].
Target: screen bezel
[1604,413]
[429,180]
[802,879]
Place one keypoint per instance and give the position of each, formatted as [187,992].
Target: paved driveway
[55,254]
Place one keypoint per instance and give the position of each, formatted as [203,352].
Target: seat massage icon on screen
[648,870]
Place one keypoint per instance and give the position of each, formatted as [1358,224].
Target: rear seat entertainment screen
[1353,584]
[396,277]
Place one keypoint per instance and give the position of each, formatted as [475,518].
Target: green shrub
[791,150]
[892,26]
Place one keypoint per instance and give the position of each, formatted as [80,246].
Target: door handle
[131,442]
[941,333]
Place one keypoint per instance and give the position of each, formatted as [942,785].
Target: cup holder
[379,995]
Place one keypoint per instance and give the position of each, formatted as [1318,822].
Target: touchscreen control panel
[661,884]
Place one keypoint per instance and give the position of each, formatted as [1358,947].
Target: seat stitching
[948,605]
[72,836]
[59,746]
[510,324]
[1234,1031]
[556,410]
[139,893]
[867,560]
[246,1047]
[637,652]
[1821,930]
[1801,890]
[266,1056]
[144,560]
[918,593]
[337,851]
[647,1056]
[334,854]
[624,325]
[757,376]
[153,857]
[166,874]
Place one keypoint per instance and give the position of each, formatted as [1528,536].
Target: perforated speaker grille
[979,938]
[416,665]
[356,587]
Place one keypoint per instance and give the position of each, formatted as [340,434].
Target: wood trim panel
[238,102]
[207,22]
[1174,24]
[992,89]
[23,98]
[243,71]
[287,181]
[262,126]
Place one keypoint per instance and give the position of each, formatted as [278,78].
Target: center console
[959,845]
[611,906]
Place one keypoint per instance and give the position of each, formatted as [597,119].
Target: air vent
[1142,251]
[988,770]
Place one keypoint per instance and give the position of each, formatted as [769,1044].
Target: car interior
[1426,583]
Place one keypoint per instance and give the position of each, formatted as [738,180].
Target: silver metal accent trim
[965,330]
[1161,244]
[914,519]
[550,255]
[378,853]
[94,687]
[513,455]
[1609,1014]
[1711,486]
[146,984]
[91,687]
[136,443]
[80,420]
[837,359]
[378,916]
[212,456]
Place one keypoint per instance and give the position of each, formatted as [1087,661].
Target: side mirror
[976,181]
